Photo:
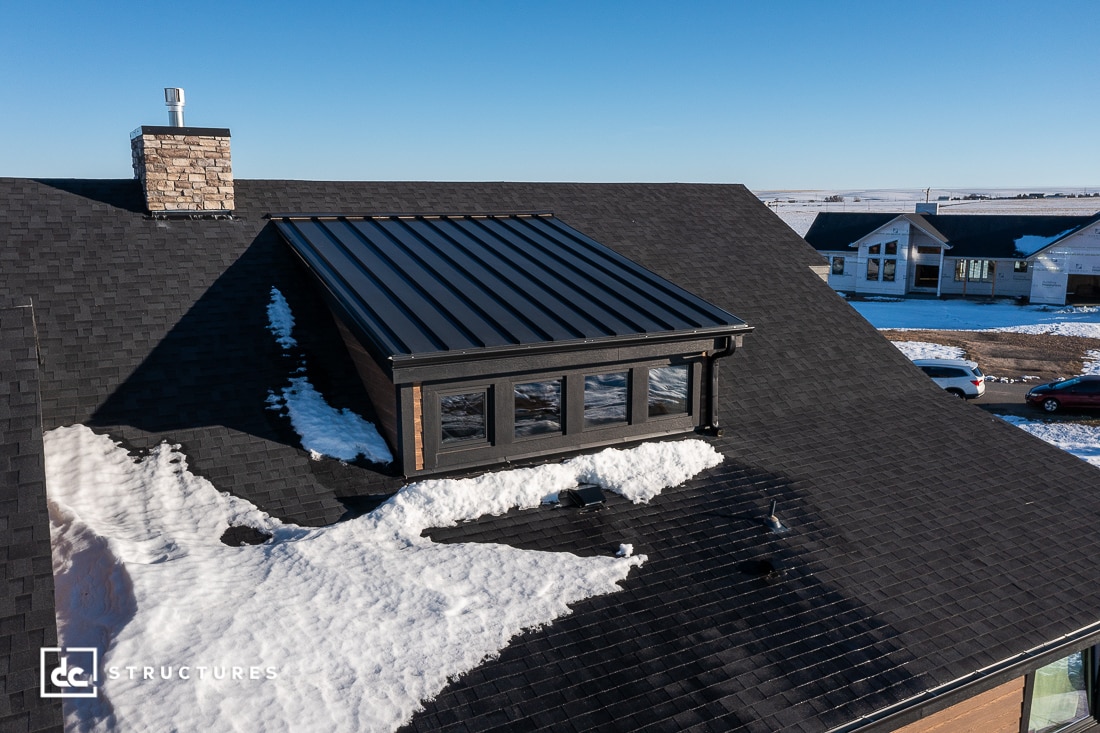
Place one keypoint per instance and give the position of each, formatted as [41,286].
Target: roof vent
[173,97]
[584,496]
[772,522]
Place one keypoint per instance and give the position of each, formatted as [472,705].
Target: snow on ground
[345,627]
[1082,441]
[323,430]
[926,350]
[798,208]
[1092,362]
[972,315]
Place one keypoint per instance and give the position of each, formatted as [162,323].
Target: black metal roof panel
[969,235]
[429,285]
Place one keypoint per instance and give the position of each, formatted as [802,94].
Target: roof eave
[915,220]
[981,680]
[558,347]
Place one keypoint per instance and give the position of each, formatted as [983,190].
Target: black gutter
[940,698]
[712,365]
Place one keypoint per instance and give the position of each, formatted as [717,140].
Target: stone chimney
[183,170]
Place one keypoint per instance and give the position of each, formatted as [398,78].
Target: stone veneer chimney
[183,170]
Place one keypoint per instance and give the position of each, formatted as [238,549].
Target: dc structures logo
[69,671]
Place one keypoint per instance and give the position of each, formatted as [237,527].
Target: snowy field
[799,207]
[972,315]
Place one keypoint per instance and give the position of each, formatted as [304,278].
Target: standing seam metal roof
[419,285]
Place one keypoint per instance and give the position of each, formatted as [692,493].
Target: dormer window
[488,338]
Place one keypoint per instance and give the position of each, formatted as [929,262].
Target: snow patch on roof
[351,625]
[324,430]
[1029,244]
[280,321]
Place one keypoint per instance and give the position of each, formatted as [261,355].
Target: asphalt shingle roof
[27,620]
[928,539]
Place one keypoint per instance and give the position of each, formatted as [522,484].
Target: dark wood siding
[380,389]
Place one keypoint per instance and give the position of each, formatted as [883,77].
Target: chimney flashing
[190,131]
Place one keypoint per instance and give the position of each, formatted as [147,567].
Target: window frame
[688,396]
[503,445]
[560,380]
[834,270]
[486,391]
[629,417]
[1091,721]
[1016,266]
[882,256]
[877,276]
[965,269]
[889,270]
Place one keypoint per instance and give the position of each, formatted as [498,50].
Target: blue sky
[773,95]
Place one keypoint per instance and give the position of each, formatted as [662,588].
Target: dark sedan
[1081,391]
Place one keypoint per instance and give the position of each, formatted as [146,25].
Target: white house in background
[1046,259]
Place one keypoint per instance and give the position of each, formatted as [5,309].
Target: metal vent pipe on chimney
[173,97]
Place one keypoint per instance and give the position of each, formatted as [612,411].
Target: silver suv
[959,377]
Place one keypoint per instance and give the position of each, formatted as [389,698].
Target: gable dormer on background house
[1045,259]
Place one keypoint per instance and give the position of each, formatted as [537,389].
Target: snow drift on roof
[349,626]
[1029,244]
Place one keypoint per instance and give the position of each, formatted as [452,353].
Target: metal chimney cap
[173,97]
